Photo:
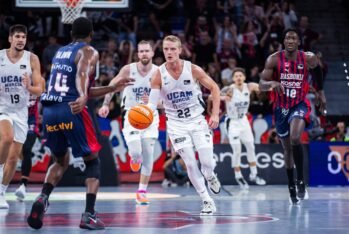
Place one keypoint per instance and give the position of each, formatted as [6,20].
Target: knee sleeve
[93,168]
[250,150]
[135,149]
[236,155]
[148,156]
[207,161]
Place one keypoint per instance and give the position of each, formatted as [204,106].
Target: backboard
[106,4]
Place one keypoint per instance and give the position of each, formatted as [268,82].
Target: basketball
[140,116]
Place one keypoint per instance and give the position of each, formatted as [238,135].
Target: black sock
[290,176]
[297,152]
[24,181]
[90,203]
[47,189]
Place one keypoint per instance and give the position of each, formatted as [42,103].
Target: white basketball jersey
[237,107]
[13,96]
[132,95]
[182,98]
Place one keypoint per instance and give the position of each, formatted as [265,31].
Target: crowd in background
[218,35]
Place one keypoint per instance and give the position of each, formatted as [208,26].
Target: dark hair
[18,28]
[81,28]
[145,42]
[291,30]
[239,69]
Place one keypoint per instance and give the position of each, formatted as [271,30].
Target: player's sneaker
[91,221]
[36,215]
[20,192]
[293,195]
[214,184]
[208,207]
[257,180]
[141,197]
[302,192]
[3,202]
[242,182]
[135,165]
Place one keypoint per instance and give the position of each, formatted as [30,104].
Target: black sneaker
[39,207]
[91,221]
[302,192]
[293,195]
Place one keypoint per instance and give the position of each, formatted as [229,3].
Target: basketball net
[70,9]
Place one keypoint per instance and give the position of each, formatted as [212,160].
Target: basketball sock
[142,187]
[90,203]
[253,170]
[3,189]
[205,196]
[290,176]
[47,189]
[238,174]
[297,152]
[24,181]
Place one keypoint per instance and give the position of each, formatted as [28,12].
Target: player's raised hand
[277,87]
[214,121]
[78,105]
[121,82]
[103,111]
[26,80]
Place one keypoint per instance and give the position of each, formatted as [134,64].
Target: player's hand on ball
[214,121]
[78,105]
[103,111]
[121,82]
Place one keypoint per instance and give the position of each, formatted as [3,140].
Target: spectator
[204,51]
[49,51]
[226,74]
[226,52]
[288,15]
[308,37]
[160,13]
[108,68]
[226,31]
[341,133]
[128,27]
[125,52]
[175,170]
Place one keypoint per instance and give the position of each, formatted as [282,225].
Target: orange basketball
[140,116]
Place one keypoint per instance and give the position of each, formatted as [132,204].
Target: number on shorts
[291,93]
[185,113]
[14,98]
[60,84]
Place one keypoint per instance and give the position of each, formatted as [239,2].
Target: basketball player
[237,99]
[140,143]
[19,77]
[66,120]
[33,133]
[286,72]
[176,83]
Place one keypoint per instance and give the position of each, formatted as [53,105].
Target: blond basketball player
[176,84]
[237,101]
[20,76]
[140,143]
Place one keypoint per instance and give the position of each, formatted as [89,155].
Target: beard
[19,49]
[145,61]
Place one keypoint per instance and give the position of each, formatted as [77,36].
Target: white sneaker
[242,182]
[208,207]
[214,184]
[20,192]
[3,202]
[166,183]
[257,180]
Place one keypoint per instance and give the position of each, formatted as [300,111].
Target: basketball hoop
[70,9]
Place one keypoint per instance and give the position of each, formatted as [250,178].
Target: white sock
[253,170]
[142,187]
[238,174]
[3,189]
[205,196]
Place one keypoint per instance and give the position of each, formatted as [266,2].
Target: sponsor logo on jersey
[186,82]
[284,111]
[134,132]
[179,96]
[292,76]
[59,127]
[179,140]
[63,54]
[22,66]
[300,66]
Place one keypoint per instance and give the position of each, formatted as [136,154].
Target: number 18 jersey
[13,95]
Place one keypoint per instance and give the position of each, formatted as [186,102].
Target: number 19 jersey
[13,95]
[182,98]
